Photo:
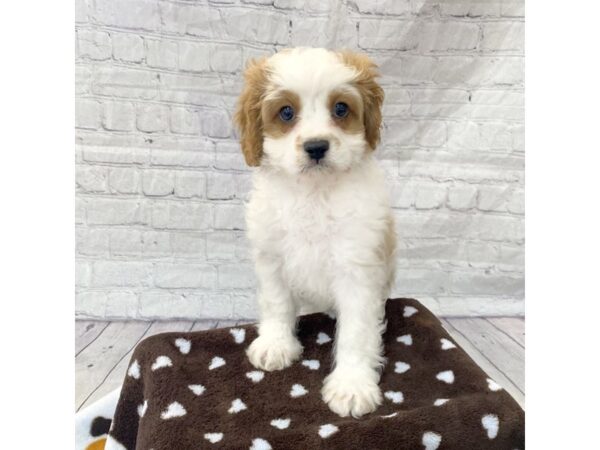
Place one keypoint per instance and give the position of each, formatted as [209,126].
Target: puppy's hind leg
[276,346]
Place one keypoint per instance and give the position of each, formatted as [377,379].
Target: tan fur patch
[353,122]
[370,91]
[273,125]
[248,113]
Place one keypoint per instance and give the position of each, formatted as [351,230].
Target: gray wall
[161,181]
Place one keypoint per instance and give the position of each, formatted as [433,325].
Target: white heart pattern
[160,362]
[216,362]
[260,444]
[401,367]
[447,376]
[491,424]
[410,311]
[236,406]
[323,338]
[255,375]
[298,391]
[239,335]
[312,364]
[175,409]
[394,396]
[141,409]
[184,345]
[493,386]
[213,438]
[197,389]
[406,339]
[440,401]
[431,440]
[327,430]
[281,424]
[134,370]
[447,344]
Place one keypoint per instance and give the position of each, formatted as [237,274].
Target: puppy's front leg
[352,387]
[276,346]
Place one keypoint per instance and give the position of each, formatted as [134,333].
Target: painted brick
[182,215]
[125,82]
[156,244]
[189,245]
[462,197]
[158,183]
[220,186]
[196,158]
[88,114]
[124,180]
[383,7]
[185,276]
[236,276]
[503,36]
[230,217]
[93,44]
[190,184]
[161,53]
[127,47]
[129,14]
[194,57]
[221,245]
[91,242]
[448,36]
[105,211]
[185,121]
[151,118]
[126,242]
[91,178]
[215,124]
[121,274]
[225,58]
[118,116]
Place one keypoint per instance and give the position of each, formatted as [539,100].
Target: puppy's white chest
[309,241]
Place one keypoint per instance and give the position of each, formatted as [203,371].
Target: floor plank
[201,325]
[506,354]
[514,327]
[483,362]
[97,360]
[114,378]
[86,331]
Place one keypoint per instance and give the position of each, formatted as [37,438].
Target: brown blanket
[198,391]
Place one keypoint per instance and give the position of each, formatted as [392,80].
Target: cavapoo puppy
[319,218]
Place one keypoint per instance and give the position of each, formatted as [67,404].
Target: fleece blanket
[198,391]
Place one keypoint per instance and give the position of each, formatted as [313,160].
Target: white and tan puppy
[319,219]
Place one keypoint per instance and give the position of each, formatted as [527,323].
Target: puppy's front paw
[351,394]
[274,353]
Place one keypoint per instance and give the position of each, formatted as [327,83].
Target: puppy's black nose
[316,149]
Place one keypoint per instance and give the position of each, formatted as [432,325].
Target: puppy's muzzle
[316,149]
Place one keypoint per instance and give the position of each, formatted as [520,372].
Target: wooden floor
[102,350]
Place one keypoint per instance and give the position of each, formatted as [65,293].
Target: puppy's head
[308,110]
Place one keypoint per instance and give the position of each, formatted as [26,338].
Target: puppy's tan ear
[248,113]
[370,91]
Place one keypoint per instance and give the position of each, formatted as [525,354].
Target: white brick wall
[161,181]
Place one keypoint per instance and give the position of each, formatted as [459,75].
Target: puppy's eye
[286,113]
[340,110]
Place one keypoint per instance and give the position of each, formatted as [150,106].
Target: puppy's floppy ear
[248,113]
[370,91]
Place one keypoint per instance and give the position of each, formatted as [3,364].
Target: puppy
[319,219]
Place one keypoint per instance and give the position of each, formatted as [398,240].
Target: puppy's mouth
[321,165]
